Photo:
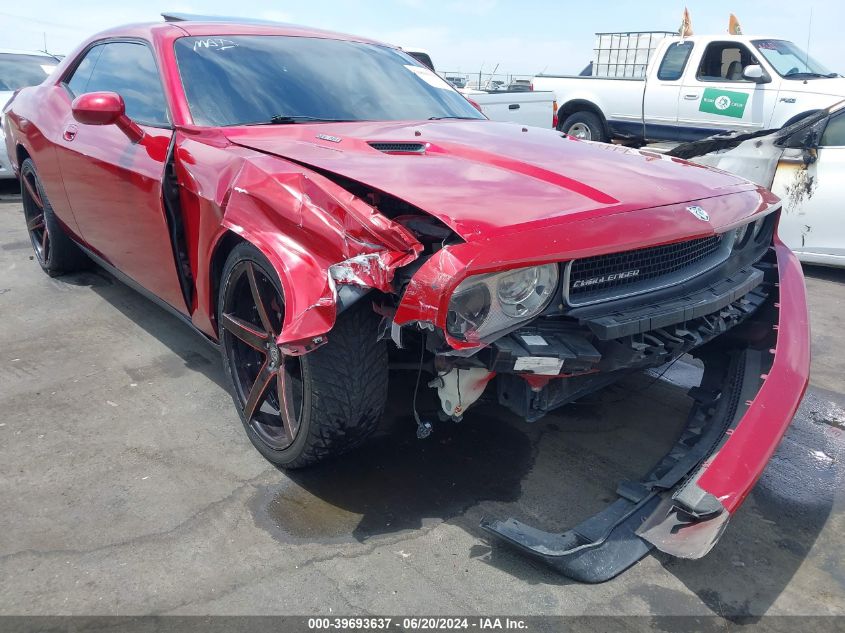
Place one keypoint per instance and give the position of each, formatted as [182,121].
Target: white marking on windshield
[215,43]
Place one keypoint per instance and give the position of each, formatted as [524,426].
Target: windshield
[20,71]
[790,61]
[278,79]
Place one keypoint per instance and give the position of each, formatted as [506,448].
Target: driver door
[716,97]
[114,185]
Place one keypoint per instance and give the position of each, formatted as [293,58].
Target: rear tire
[55,252]
[584,125]
[315,406]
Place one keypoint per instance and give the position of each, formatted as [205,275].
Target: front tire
[55,252]
[586,126]
[297,410]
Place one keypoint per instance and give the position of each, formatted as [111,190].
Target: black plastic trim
[606,544]
[682,308]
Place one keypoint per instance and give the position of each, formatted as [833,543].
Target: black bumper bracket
[607,543]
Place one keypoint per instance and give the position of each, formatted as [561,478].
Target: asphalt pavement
[127,485]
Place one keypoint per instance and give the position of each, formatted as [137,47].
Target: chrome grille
[605,277]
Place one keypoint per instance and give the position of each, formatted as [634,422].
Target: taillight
[475,105]
[531,86]
[554,114]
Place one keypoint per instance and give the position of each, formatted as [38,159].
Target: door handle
[690,97]
[513,106]
[70,133]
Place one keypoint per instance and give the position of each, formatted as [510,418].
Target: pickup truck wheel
[585,126]
[297,410]
[55,252]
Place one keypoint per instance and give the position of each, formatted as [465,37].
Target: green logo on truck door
[723,102]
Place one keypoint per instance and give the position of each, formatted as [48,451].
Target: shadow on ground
[824,272]
[9,188]
[192,348]
[397,482]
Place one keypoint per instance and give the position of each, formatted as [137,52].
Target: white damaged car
[804,165]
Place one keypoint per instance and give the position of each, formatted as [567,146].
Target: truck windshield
[267,79]
[790,61]
[20,71]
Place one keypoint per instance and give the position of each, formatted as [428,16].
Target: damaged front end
[734,300]
[550,310]
[752,385]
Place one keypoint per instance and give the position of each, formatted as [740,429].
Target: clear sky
[521,37]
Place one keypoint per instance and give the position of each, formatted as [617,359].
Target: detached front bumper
[751,388]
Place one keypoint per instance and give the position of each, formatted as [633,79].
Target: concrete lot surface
[127,484]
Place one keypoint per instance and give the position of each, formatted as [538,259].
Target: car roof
[214,27]
[723,37]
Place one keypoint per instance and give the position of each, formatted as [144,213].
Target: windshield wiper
[285,119]
[462,118]
[809,75]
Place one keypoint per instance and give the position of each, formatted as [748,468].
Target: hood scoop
[399,148]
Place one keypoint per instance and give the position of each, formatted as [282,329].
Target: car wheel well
[21,154]
[580,105]
[225,245]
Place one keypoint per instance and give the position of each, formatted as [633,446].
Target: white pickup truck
[695,87]
[534,108]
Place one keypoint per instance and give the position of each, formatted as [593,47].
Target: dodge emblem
[700,213]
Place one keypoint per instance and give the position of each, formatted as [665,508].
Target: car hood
[825,86]
[482,178]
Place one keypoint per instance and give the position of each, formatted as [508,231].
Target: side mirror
[807,138]
[755,73]
[105,108]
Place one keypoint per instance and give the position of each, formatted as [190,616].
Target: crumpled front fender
[309,228]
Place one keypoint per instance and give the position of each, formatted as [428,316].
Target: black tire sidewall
[64,254]
[28,166]
[248,252]
[590,120]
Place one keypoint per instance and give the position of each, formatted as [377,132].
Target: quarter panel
[35,120]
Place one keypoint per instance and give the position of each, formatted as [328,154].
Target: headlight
[742,235]
[758,228]
[468,309]
[483,305]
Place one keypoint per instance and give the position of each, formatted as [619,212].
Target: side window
[834,133]
[674,61]
[129,70]
[78,82]
[724,61]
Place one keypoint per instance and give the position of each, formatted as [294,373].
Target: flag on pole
[686,25]
[733,26]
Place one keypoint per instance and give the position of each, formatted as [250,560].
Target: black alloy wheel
[34,213]
[297,410]
[55,251]
[268,384]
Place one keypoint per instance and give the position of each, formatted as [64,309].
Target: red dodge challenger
[321,205]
